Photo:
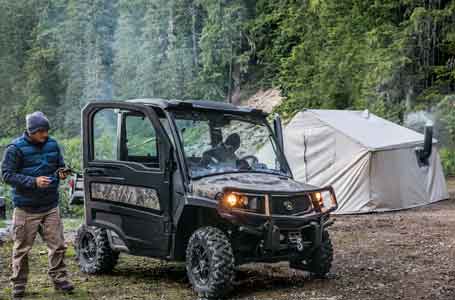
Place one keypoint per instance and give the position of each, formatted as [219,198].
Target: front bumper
[273,232]
[284,222]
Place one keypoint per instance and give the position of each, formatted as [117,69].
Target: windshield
[215,142]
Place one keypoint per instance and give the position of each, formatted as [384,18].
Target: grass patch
[2,224]
[133,278]
[72,224]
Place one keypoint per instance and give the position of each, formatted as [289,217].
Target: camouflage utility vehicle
[196,181]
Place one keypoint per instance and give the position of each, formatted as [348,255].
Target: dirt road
[402,255]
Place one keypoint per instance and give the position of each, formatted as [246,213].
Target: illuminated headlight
[232,200]
[324,200]
[319,199]
[235,200]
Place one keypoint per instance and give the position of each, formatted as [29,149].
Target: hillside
[393,57]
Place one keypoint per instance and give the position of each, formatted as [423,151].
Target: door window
[105,135]
[140,141]
[135,140]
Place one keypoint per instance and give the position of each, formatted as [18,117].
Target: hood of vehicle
[210,186]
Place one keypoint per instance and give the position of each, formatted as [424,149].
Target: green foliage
[58,55]
[446,115]
[71,150]
[388,56]
[141,137]
[5,191]
[448,161]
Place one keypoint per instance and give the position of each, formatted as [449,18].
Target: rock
[266,100]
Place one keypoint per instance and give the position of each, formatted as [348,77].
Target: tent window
[320,150]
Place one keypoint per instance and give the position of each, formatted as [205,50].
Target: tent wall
[320,155]
[397,181]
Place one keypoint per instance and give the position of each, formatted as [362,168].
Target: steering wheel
[254,159]
[208,157]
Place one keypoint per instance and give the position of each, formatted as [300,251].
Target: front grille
[283,205]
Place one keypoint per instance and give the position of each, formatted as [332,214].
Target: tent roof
[368,129]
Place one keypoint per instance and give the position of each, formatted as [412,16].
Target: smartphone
[67,171]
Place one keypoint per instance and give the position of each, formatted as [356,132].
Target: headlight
[233,200]
[324,200]
[319,199]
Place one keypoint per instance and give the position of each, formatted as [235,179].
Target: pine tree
[127,54]
[222,48]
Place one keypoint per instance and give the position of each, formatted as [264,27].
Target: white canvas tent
[370,162]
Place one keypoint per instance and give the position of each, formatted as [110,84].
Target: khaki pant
[25,227]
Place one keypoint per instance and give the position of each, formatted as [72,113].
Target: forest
[393,57]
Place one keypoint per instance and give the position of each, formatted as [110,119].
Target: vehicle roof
[198,104]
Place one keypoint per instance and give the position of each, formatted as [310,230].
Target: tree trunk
[194,35]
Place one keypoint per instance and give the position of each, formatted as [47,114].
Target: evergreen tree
[17,22]
[127,44]
[222,43]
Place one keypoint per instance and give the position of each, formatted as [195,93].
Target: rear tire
[210,263]
[93,250]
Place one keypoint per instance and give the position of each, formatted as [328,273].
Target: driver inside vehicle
[224,152]
[216,144]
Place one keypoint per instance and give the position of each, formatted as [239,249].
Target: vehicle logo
[288,205]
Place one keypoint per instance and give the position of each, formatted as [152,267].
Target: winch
[295,239]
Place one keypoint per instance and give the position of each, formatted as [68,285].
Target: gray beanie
[36,121]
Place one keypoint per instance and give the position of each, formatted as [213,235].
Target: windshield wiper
[268,171]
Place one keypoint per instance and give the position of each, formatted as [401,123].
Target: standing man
[33,166]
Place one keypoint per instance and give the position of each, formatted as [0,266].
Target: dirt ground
[401,255]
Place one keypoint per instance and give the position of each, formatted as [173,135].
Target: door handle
[95,172]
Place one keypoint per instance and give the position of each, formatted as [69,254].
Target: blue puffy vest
[37,160]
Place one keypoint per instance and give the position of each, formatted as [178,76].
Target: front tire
[210,263]
[93,250]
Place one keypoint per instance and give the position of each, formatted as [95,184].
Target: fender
[193,201]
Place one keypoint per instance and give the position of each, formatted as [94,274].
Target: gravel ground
[400,255]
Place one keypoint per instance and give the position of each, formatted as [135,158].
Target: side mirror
[278,127]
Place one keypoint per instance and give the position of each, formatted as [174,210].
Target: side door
[126,179]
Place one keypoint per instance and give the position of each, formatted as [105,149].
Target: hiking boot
[18,292]
[64,286]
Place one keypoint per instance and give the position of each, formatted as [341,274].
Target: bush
[445,114]
[71,150]
[448,161]
[5,190]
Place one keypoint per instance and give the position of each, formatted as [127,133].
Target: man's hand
[43,182]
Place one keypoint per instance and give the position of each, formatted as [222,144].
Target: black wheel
[210,263]
[320,261]
[93,250]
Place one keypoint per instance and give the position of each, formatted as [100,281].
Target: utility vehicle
[202,182]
